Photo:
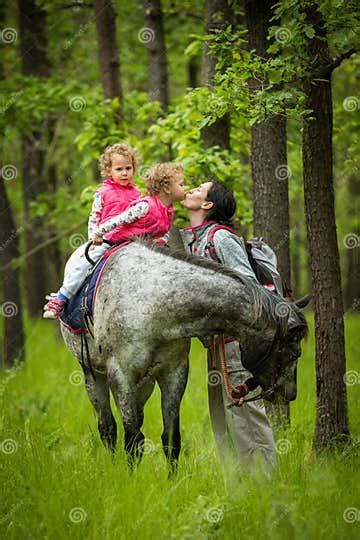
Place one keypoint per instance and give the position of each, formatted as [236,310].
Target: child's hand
[97,241]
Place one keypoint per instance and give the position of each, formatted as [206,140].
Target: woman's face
[196,197]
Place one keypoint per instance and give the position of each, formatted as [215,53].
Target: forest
[261,96]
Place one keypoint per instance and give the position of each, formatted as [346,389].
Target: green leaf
[194,49]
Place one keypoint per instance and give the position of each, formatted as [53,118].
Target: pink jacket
[156,222]
[110,200]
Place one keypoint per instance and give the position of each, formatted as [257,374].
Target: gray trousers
[242,433]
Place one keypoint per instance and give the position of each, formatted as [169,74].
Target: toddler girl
[117,164]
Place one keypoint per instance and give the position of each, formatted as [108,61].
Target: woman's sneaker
[53,308]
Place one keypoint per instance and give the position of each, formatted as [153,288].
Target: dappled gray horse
[149,302]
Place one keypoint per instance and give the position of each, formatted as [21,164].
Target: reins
[236,394]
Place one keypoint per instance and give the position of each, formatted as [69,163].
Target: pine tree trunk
[33,47]
[13,342]
[107,51]
[269,169]
[54,275]
[193,72]
[154,39]
[331,418]
[218,15]
[10,310]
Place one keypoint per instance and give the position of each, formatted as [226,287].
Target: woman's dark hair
[224,204]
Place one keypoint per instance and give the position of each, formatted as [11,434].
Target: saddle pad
[72,315]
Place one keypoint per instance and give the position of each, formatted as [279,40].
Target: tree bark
[11,308]
[331,419]
[53,251]
[107,51]
[13,343]
[193,72]
[33,47]
[269,168]
[218,15]
[154,39]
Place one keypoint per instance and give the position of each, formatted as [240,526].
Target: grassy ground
[57,481]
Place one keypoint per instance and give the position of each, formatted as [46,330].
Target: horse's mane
[264,300]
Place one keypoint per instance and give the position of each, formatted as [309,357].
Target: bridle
[236,394]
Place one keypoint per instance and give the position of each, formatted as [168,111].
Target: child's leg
[75,272]
[74,258]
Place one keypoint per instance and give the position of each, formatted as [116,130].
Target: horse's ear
[175,240]
[303,302]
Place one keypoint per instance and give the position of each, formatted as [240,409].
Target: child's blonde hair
[121,149]
[159,176]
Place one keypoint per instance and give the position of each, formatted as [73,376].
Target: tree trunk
[193,72]
[14,339]
[107,51]
[331,418]
[269,168]
[218,15]
[36,265]
[13,343]
[33,47]
[153,37]
[54,276]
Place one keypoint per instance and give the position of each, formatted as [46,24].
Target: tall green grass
[57,481]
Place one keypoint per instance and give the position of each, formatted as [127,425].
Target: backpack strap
[210,246]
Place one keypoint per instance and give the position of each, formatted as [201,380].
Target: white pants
[242,433]
[77,267]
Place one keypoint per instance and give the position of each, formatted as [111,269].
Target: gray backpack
[262,259]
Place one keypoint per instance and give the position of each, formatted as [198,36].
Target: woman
[240,432]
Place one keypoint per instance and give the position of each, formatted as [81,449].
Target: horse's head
[277,374]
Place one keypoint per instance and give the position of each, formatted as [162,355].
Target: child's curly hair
[159,176]
[121,149]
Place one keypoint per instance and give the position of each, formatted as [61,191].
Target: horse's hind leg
[172,381]
[144,390]
[99,395]
[124,393]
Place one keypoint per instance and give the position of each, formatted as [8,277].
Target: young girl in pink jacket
[151,216]
[117,165]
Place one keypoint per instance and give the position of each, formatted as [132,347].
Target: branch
[339,59]
[44,244]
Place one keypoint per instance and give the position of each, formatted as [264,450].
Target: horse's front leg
[125,395]
[172,381]
[99,395]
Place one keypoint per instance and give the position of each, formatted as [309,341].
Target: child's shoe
[53,308]
[51,295]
